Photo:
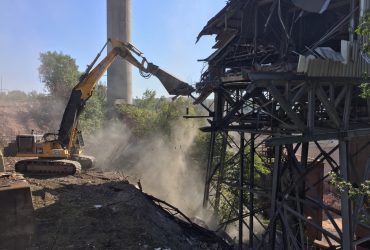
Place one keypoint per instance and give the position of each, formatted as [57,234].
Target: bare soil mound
[23,117]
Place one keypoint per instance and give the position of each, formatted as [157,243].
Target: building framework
[276,119]
[272,116]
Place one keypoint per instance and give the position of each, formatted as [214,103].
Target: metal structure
[281,92]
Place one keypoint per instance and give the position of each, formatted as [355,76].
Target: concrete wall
[119,74]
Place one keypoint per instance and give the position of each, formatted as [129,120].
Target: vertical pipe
[255,37]
[119,78]
[352,21]
[251,188]
[241,192]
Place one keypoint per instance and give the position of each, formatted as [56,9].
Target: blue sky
[165,30]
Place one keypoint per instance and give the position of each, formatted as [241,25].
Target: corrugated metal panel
[356,66]
[364,6]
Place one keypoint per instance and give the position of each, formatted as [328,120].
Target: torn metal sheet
[316,6]
[329,53]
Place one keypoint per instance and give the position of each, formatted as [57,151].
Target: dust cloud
[160,163]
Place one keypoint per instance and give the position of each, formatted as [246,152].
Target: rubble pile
[96,210]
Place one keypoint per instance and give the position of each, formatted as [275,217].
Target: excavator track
[48,167]
[86,161]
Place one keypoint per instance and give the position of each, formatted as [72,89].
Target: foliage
[354,191]
[35,96]
[365,90]
[364,29]
[152,116]
[18,95]
[92,117]
[199,150]
[59,73]
[14,95]
[232,164]
[345,186]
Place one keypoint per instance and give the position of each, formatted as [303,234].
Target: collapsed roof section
[315,37]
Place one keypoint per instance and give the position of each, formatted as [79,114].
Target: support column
[251,188]
[241,192]
[119,74]
[347,237]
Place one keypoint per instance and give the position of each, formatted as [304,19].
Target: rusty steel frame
[274,117]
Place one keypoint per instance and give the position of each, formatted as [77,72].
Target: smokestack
[119,74]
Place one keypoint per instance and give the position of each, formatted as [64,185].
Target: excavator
[61,153]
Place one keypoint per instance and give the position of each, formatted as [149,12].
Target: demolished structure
[286,76]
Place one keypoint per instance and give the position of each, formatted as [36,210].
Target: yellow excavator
[61,153]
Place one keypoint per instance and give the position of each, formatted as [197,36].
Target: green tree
[363,29]
[92,116]
[232,172]
[151,115]
[15,95]
[35,96]
[59,73]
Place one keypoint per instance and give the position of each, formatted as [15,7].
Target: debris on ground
[101,210]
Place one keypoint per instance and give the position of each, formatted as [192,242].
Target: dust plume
[160,163]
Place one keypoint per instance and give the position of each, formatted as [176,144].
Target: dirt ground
[101,210]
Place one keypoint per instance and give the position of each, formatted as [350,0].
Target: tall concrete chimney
[119,74]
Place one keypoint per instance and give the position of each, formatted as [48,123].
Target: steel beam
[251,186]
[287,108]
[241,191]
[346,213]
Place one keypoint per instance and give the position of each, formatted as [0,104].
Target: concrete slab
[16,212]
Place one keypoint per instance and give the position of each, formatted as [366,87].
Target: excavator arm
[84,89]
[173,85]
[79,95]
